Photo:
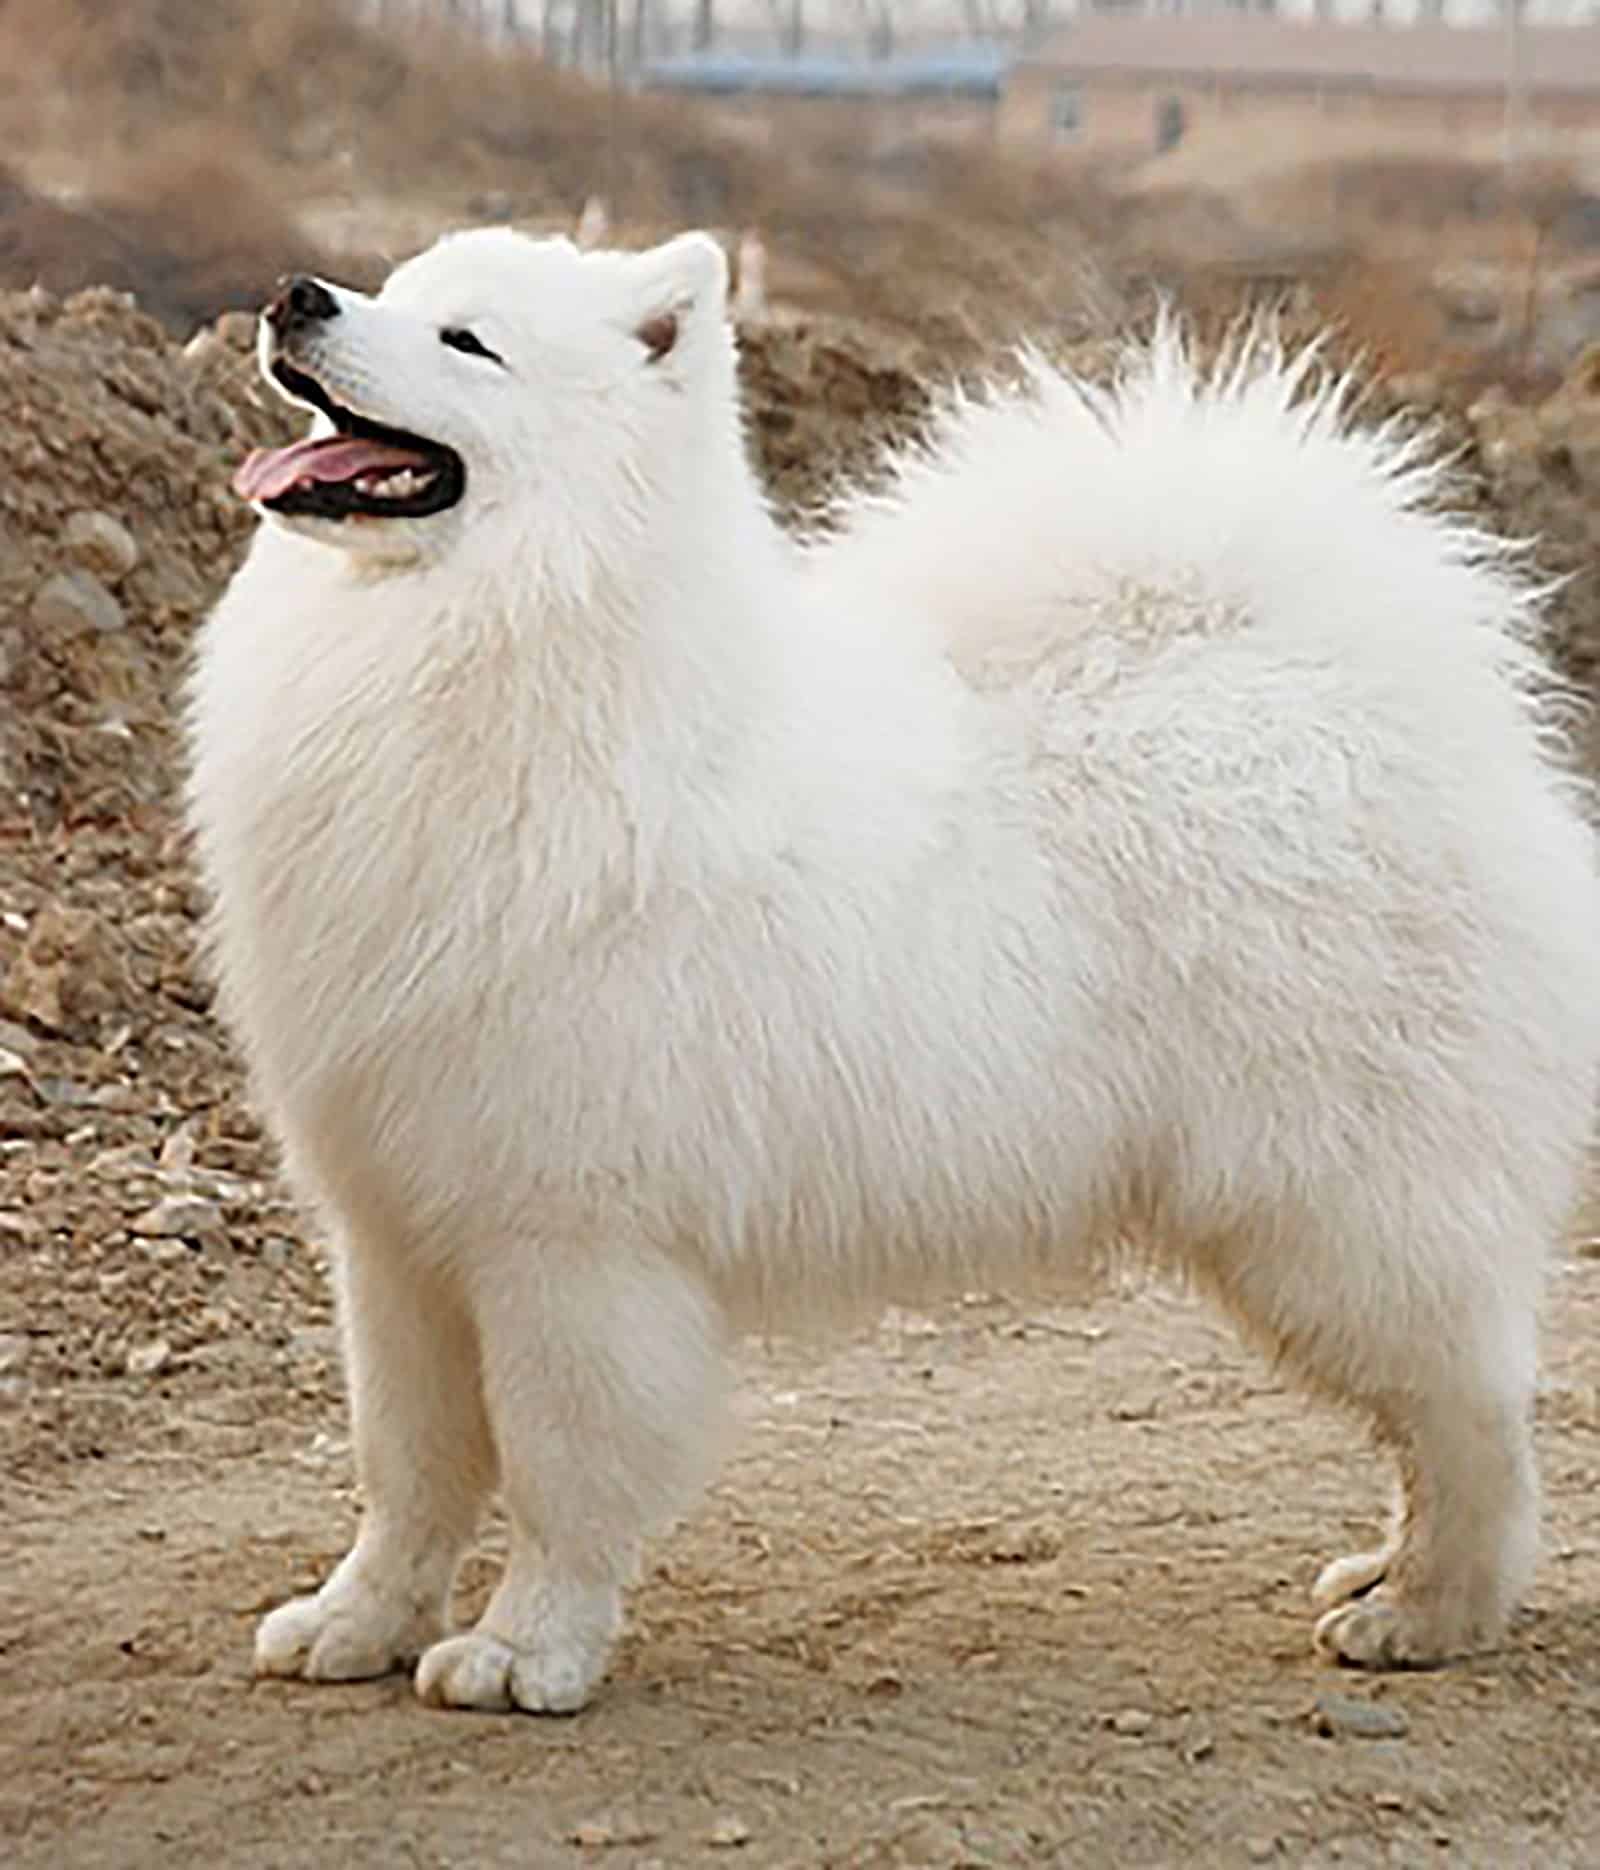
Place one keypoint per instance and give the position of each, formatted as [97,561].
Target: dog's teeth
[400,485]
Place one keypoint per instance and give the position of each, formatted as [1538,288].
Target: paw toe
[285,1637]
[1363,1635]
[318,1640]
[481,1671]
[1347,1578]
[470,1671]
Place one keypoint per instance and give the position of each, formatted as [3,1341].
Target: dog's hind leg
[1437,1350]
[604,1372]
[1464,1538]
[425,1461]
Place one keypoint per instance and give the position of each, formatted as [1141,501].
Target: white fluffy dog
[1137,825]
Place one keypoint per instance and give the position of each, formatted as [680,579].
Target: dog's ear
[681,287]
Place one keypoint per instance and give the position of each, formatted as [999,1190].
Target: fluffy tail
[1250,482]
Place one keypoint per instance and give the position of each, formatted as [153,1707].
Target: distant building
[972,72]
[887,109]
[1105,80]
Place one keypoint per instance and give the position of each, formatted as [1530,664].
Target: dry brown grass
[1439,192]
[321,96]
[189,229]
[237,111]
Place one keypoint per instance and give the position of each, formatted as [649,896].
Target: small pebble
[148,1360]
[176,1215]
[76,603]
[100,544]
[204,346]
[1364,1720]
[237,330]
[164,1252]
[729,1832]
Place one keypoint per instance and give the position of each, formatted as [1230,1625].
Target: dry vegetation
[188,225]
[242,114]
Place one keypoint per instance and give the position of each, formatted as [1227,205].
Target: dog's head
[494,375]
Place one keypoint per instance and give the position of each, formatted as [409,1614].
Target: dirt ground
[992,1588]
[996,1587]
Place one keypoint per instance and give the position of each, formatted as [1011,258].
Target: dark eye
[460,339]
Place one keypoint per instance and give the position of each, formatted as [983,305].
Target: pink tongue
[269,472]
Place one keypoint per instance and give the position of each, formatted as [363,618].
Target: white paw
[476,1670]
[341,1634]
[1375,1633]
[1351,1577]
[1387,1630]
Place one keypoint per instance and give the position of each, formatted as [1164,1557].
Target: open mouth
[365,471]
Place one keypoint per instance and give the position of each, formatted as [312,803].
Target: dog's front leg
[424,1459]
[604,1377]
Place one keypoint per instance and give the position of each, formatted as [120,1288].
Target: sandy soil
[992,1588]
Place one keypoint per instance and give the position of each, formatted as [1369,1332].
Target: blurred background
[949,170]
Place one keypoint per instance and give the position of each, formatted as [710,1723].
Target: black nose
[300,302]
